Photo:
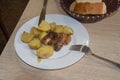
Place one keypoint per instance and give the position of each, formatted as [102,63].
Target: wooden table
[104,41]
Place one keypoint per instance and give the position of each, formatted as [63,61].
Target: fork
[87,50]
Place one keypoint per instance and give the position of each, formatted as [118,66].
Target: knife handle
[43,12]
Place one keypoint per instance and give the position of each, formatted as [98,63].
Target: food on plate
[54,39]
[35,31]
[52,25]
[57,40]
[42,35]
[68,30]
[44,26]
[59,29]
[88,7]
[67,39]
[27,37]
[47,38]
[34,43]
[45,52]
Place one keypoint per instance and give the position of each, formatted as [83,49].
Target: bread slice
[90,8]
[91,1]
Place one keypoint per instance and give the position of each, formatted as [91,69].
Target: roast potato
[44,26]
[68,30]
[35,31]
[42,35]
[45,52]
[26,37]
[34,43]
[59,29]
[52,25]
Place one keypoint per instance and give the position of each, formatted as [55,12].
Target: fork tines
[81,48]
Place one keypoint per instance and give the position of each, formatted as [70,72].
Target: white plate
[61,59]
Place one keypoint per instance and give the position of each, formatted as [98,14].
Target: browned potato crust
[34,43]
[67,30]
[27,37]
[35,31]
[52,25]
[59,29]
[42,35]
[44,26]
[45,52]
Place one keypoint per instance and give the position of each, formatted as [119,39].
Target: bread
[91,1]
[89,7]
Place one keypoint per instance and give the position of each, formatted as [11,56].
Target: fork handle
[107,60]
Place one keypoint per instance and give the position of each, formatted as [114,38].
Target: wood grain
[104,41]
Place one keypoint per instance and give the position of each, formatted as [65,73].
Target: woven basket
[112,6]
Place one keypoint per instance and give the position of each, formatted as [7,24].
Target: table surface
[104,41]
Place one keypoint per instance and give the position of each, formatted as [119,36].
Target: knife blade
[43,12]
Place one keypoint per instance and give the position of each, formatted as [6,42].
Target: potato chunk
[59,29]
[44,26]
[27,37]
[42,35]
[45,52]
[35,43]
[52,25]
[68,30]
[35,31]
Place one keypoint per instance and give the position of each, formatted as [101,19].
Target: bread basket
[111,6]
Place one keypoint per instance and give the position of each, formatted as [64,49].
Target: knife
[43,12]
